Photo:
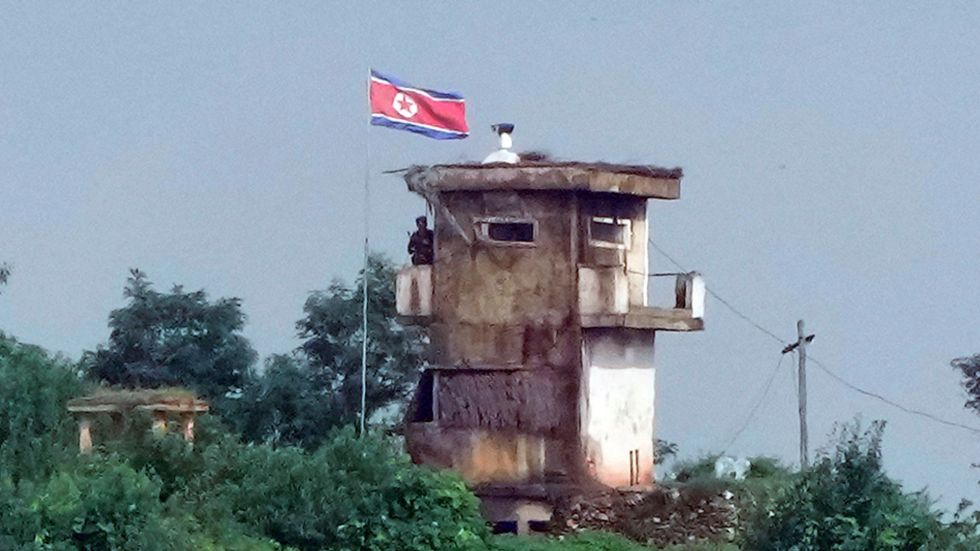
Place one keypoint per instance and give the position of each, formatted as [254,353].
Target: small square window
[505,231]
[613,233]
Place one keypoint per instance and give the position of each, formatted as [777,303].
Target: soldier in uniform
[420,243]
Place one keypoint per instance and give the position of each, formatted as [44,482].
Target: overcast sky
[830,153]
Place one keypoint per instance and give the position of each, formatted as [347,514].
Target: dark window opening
[539,525]
[521,232]
[609,232]
[425,399]
[505,527]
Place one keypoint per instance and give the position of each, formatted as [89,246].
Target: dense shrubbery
[594,541]
[143,492]
[845,501]
[103,503]
[351,493]
[586,541]
[35,428]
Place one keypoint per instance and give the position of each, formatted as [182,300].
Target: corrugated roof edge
[652,171]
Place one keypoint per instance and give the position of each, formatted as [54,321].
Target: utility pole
[800,347]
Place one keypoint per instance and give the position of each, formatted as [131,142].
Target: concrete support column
[159,422]
[84,434]
[187,426]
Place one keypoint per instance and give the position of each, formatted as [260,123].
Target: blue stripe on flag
[378,120]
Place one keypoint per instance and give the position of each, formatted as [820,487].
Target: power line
[755,408]
[892,403]
[819,364]
[718,297]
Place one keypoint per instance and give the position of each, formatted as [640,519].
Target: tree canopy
[4,273]
[176,338]
[35,428]
[298,398]
[332,340]
[846,501]
[284,406]
[969,367]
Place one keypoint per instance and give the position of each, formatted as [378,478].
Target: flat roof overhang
[638,180]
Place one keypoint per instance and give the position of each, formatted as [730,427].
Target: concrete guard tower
[542,340]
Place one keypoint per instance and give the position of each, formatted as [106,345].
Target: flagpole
[364,276]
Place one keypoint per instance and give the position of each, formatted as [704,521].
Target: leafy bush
[593,541]
[350,494]
[846,502]
[704,468]
[100,504]
[103,505]
[586,541]
[143,491]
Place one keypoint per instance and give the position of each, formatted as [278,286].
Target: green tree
[286,406]
[176,338]
[662,450]
[969,368]
[4,273]
[36,431]
[331,333]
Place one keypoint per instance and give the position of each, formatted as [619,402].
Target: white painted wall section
[617,413]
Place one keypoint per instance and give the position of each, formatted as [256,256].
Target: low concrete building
[160,404]
[542,338]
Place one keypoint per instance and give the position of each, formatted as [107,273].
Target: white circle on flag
[405,105]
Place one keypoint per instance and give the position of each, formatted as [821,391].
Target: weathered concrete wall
[497,289]
[487,456]
[520,511]
[617,404]
[631,260]
[603,290]
[503,305]
[520,397]
[638,259]
[532,402]
[413,292]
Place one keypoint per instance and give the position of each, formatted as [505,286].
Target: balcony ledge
[659,319]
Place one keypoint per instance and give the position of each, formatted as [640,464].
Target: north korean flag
[397,104]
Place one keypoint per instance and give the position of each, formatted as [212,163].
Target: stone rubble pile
[661,516]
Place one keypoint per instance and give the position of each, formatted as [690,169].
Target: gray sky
[830,155]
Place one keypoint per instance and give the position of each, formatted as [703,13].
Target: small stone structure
[118,403]
[541,363]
